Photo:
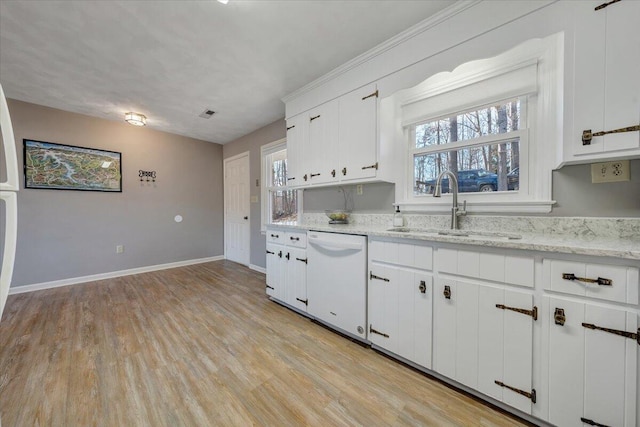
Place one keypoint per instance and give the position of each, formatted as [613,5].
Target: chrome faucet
[453,183]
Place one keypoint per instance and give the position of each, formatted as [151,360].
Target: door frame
[224,177]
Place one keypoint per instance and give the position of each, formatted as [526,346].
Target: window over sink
[496,123]
[481,146]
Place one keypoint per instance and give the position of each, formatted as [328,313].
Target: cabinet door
[322,144]
[444,331]
[297,278]
[275,271]
[518,350]
[415,316]
[358,133]
[297,128]
[467,334]
[383,307]
[592,373]
[490,341]
[606,69]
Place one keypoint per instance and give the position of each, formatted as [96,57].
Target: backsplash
[623,228]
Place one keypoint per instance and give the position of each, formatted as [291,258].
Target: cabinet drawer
[296,239]
[275,236]
[511,269]
[415,255]
[606,282]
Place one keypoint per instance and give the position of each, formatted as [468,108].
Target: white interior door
[236,208]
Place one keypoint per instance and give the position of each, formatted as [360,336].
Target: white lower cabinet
[592,364]
[286,279]
[483,338]
[400,299]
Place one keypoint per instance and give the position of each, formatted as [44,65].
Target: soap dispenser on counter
[398,220]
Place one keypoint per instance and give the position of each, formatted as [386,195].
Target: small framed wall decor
[66,167]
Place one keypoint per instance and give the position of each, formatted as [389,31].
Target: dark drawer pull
[344,171]
[600,281]
[447,292]
[269,287]
[280,254]
[314,174]
[422,287]
[275,236]
[291,179]
[297,239]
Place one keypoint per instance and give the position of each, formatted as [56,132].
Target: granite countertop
[622,247]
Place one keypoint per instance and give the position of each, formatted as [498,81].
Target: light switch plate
[610,171]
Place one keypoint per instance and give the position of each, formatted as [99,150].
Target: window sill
[535,206]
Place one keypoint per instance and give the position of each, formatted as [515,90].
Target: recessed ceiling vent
[207,114]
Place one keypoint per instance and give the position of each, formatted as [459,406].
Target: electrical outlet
[359,189]
[119,249]
[610,171]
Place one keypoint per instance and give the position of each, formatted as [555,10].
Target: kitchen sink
[457,233]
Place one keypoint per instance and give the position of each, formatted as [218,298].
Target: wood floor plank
[202,345]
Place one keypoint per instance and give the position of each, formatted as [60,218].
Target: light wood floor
[201,346]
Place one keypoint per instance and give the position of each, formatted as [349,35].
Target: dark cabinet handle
[314,174]
[295,238]
[559,317]
[280,254]
[275,236]
[269,252]
[314,117]
[447,292]
[288,256]
[246,217]
[423,287]
[344,171]
[600,281]
[333,173]
[305,177]
[291,179]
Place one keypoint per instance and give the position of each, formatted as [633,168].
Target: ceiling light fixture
[135,119]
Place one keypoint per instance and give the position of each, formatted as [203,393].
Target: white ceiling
[170,60]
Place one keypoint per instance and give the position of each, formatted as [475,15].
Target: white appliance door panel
[336,280]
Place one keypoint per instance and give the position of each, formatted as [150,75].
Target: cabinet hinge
[314,117]
[587,135]
[371,167]
[303,260]
[370,96]
[291,127]
[304,301]
[603,5]
[269,287]
[631,335]
[591,422]
[529,394]
[533,313]
[600,281]
[373,331]
[269,252]
[373,276]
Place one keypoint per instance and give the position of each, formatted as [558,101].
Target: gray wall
[252,143]
[67,234]
[577,196]
[572,190]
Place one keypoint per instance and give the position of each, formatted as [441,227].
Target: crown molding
[383,47]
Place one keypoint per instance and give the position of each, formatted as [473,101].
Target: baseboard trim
[258,268]
[109,275]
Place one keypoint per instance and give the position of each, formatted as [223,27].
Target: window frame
[542,134]
[523,140]
[265,191]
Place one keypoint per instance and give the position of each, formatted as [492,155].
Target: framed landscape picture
[66,167]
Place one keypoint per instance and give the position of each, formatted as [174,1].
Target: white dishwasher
[337,281]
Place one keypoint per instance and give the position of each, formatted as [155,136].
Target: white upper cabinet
[337,141]
[322,144]
[358,125]
[296,142]
[605,82]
